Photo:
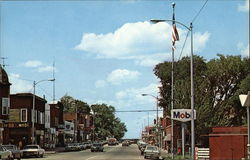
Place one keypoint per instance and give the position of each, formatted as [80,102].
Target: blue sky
[105,51]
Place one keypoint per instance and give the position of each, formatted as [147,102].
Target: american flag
[175,35]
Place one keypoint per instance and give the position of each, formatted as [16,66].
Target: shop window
[23,115]
[5,106]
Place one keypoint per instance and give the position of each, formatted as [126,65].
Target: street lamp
[190,28]
[157,123]
[33,107]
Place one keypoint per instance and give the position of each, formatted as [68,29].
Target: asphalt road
[110,153]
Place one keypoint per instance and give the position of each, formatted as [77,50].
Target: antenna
[54,92]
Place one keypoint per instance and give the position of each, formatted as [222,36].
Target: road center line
[91,157]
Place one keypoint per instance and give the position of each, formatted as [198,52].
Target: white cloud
[119,76]
[32,63]
[46,69]
[132,98]
[19,85]
[138,41]
[135,94]
[244,50]
[244,7]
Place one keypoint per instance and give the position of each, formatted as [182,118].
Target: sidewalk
[54,150]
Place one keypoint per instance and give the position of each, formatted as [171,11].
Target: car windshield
[10,147]
[1,148]
[31,147]
[151,148]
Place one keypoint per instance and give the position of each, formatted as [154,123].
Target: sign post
[183,115]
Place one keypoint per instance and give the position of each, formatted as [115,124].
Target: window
[23,115]
[38,117]
[41,117]
[5,106]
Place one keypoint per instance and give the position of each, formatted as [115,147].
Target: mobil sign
[183,115]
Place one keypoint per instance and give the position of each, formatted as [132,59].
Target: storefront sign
[16,125]
[14,115]
[182,115]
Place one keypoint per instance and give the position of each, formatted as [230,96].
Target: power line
[199,11]
[183,46]
[139,111]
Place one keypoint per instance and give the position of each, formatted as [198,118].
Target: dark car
[16,153]
[125,143]
[97,147]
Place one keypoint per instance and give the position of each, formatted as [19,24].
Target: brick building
[4,101]
[19,127]
[82,126]
[57,123]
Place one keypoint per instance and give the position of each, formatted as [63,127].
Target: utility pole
[54,90]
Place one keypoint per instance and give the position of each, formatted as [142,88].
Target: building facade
[4,101]
[57,123]
[19,127]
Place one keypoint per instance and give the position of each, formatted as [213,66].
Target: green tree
[106,124]
[217,84]
[71,105]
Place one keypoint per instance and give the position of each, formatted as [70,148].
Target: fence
[201,153]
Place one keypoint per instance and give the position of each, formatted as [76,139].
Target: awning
[167,138]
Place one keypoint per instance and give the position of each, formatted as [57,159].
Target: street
[110,153]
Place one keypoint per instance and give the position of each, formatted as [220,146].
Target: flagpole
[172,89]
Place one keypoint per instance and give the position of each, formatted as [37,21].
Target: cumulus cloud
[118,77]
[138,41]
[46,69]
[135,94]
[244,7]
[244,50]
[39,66]
[19,85]
[32,63]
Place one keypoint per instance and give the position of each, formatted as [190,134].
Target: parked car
[16,153]
[151,152]
[97,147]
[143,147]
[72,147]
[125,143]
[33,150]
[5,154]
[83,146]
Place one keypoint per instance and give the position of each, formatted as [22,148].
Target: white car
[151,152]
[33,150]
[5,154]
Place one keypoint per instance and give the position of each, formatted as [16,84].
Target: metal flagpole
[172,90]
[192,94]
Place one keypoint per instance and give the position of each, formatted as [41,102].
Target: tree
[217,84]
[71,105]
[106,124]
